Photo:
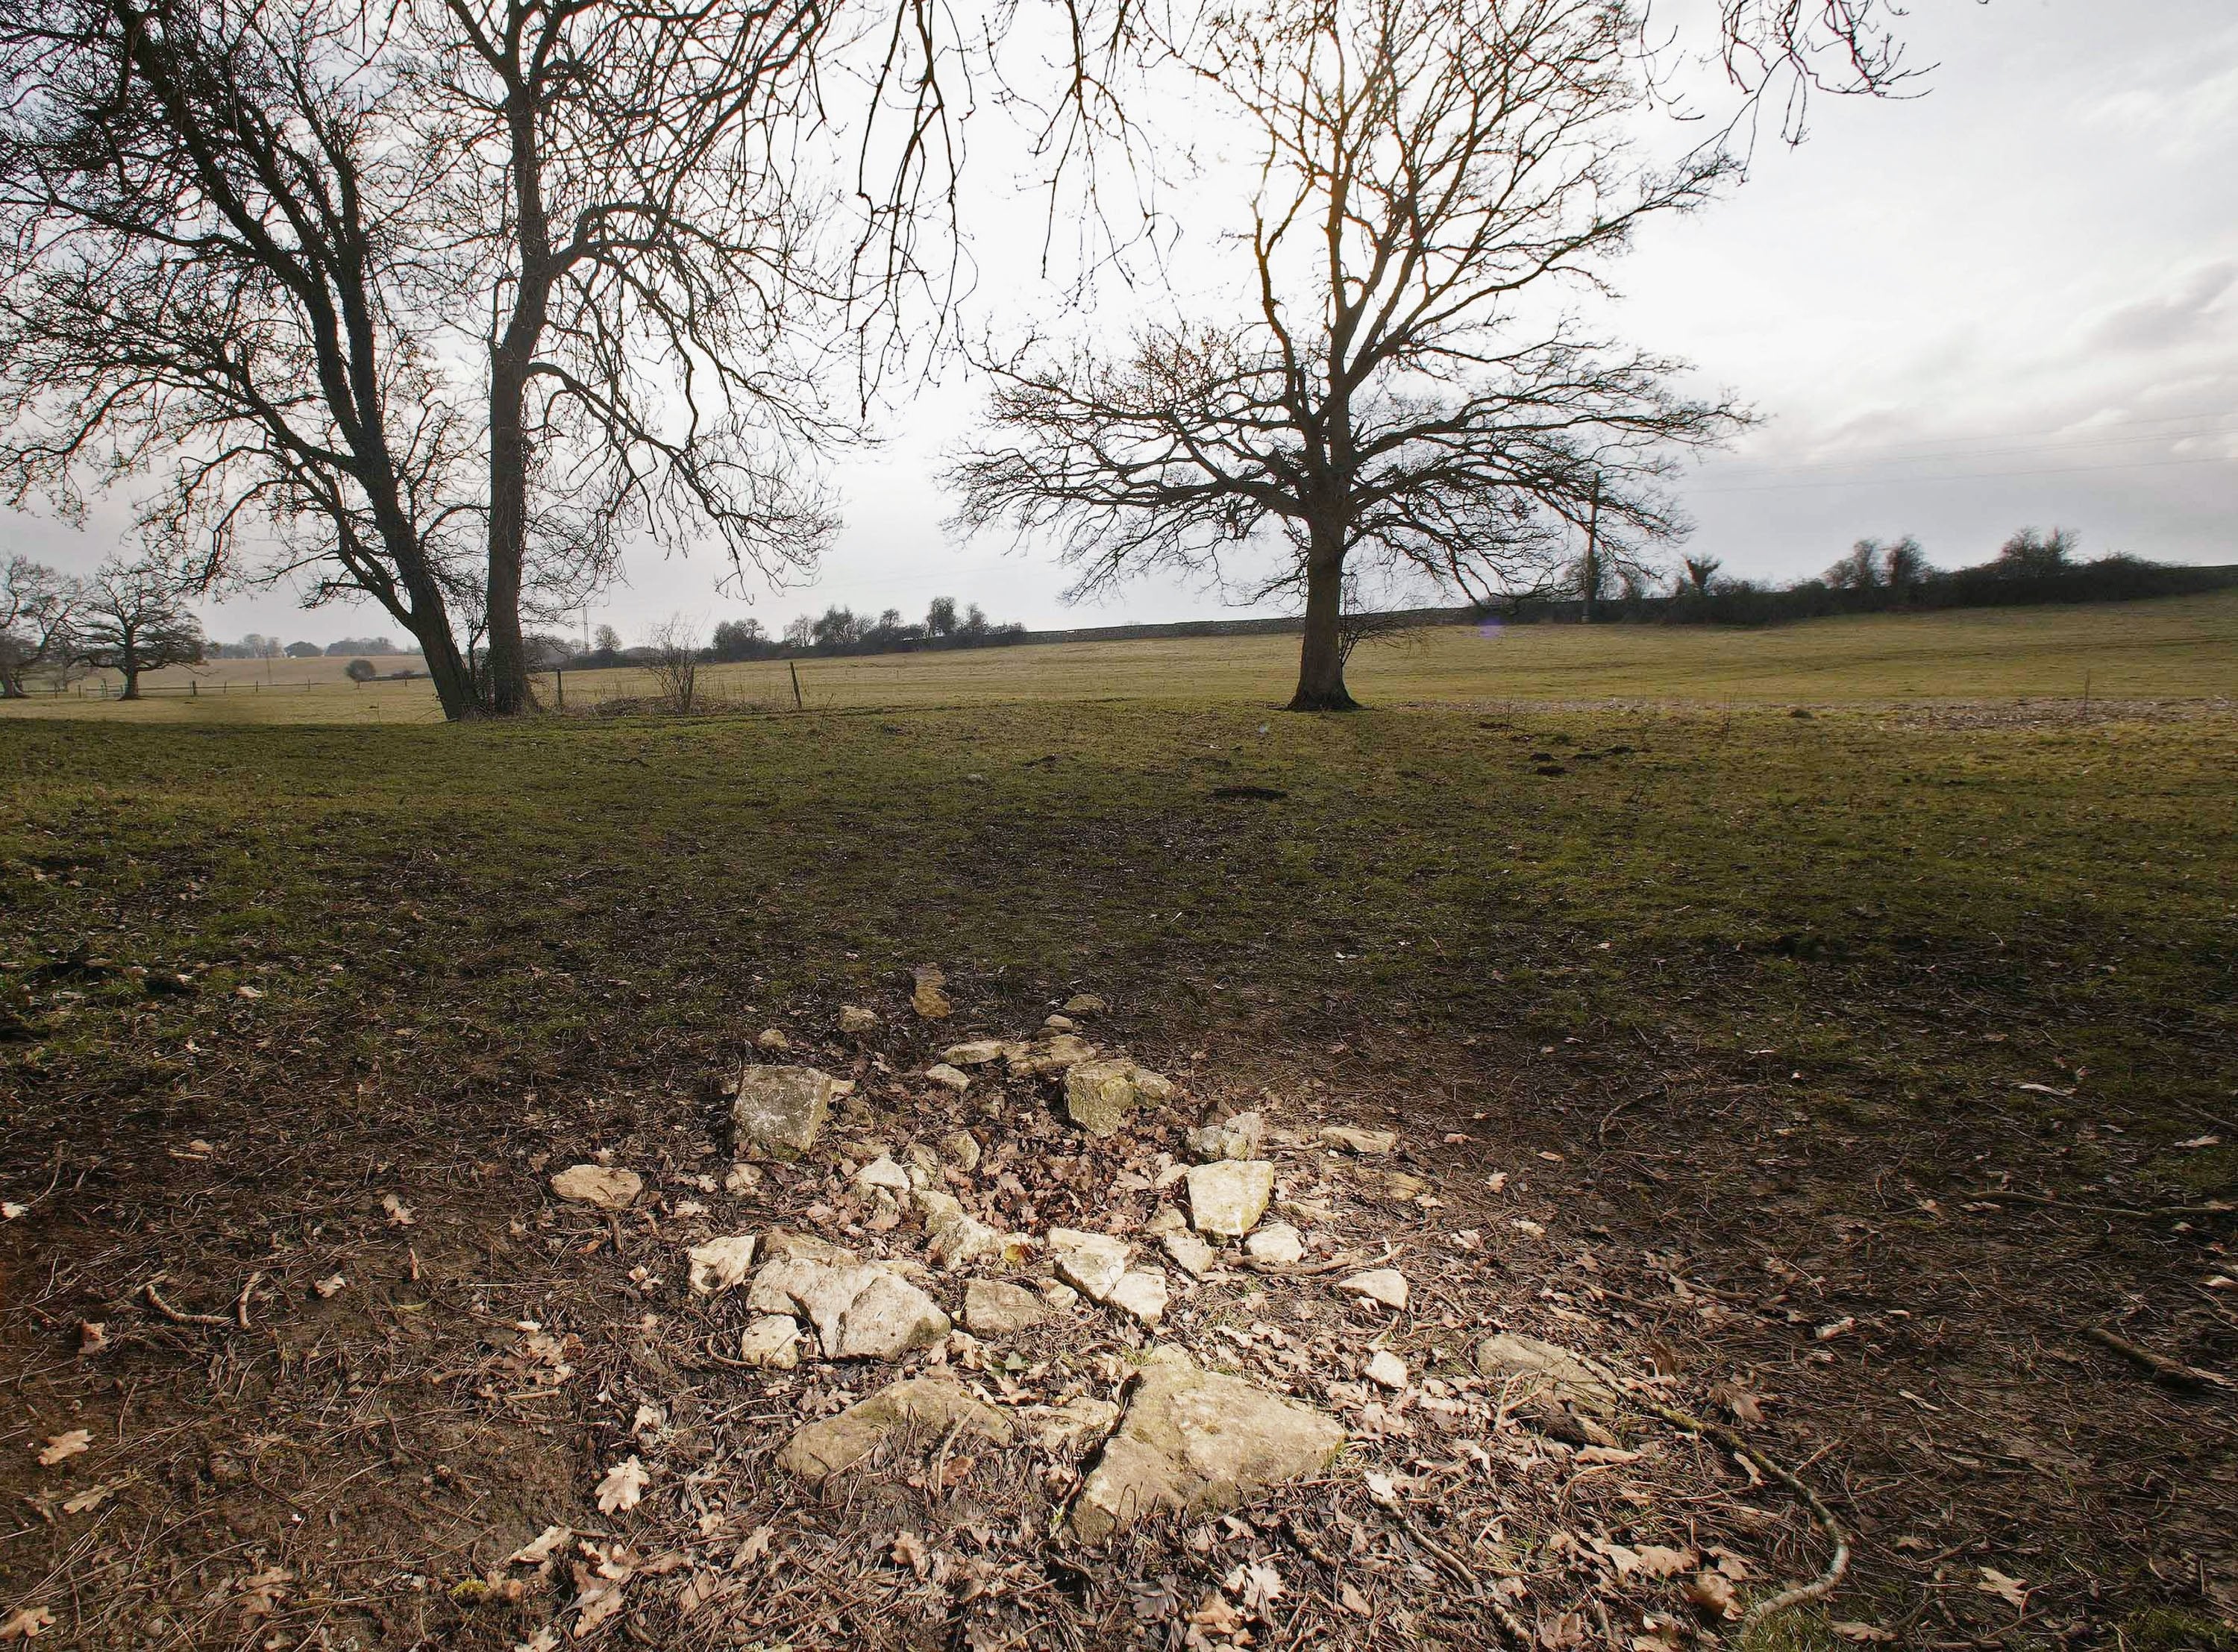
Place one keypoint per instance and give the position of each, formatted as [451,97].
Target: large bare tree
[442,300]
[133,619]
[1389,385]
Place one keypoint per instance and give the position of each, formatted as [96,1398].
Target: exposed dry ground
[1771,1023]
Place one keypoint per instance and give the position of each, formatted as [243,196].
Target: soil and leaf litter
[382,1353]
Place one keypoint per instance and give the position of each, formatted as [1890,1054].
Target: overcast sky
[2011,300]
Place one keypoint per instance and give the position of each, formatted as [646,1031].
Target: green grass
[2182,648]
[1825,886]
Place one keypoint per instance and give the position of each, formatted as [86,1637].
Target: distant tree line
[255,645]
[836,631]
[1877,577]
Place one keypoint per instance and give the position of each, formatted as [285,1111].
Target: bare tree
[1700,571]
[134,620]
[444,299]
[1425,166]
[1860,571]
[1903,564]
[673,650]
[37,607]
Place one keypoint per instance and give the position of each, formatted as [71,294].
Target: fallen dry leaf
[756,1547]
[2201,1141]
[1658,1561]
[26,1623]
[1606,1454]
[908,1550]
[1852,1630]
[260,1595]
[1258,1586]
[1559,1633]
[1353,1601]
[535,1553]
[2011,1591]
[400,1213]
[60,1446]
[92,1336]
[545,1639]
[91,1497]
[330,1284]
[625,1484]
[1713,1592]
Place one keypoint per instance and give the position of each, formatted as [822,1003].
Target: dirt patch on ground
[379,1358]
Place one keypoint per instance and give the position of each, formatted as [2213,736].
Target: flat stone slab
[772,1341]
[975,1052]
[992,1308]
[721,1263]
[861,1311]
[1510,1355]
[780,1109]
[1352,1138]
[931,1404]
[1229,1196]
[601,1187]
[1385,1285]
[1240,1137]
[1095,1262]
[1278,1245]
[1196,1443]
[1141,1293]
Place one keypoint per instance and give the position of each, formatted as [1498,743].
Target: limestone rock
[855,1020]
[1385,1285]
[929,998]
[1197,1442]
[721,1263]
[1166,1219]
[977,1052]
[1058,1054]
[780,1109]
[772,1341]
[1100,1096]
[1508,1354]
[1385,1370]
[883,1175]
[742,1179]
[1141,1293]
[1228,1198]
[861,1311]
[1354,1140]
[931,1405]
[961,1148]
[773,1038]
[1095,1262]
[1278,1245]
[1240,1137]
[964,1241]
[599,1185]
[1195,1258]
[924,1167]
[1061,1297]
[948,1078]
[992,1308]
[1084,1004]
[780,1246]
[1075,1424]
[1404,1188]
[1060,1023]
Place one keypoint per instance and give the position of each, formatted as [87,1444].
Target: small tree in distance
[37,607]
[674,647]
[134,621]
[360,672]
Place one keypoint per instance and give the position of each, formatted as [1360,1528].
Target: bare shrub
[674,647]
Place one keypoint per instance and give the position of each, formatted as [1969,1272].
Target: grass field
[2183,648]
[1917,1027]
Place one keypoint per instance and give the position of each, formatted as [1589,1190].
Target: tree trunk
[1320,657]
[505,685]
[1590,570]
[131,683]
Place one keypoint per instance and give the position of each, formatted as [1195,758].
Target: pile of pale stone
[1189,1440]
